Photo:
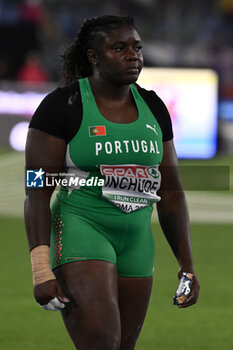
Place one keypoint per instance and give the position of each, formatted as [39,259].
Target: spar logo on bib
[131,187]
[130,171]
[97,130]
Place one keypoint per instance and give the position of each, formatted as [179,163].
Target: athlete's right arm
[47,152]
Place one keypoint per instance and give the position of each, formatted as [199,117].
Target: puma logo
[152,128]
[72,99]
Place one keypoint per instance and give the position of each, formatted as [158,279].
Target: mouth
[133,70]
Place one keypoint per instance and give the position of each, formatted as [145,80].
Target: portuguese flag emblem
[97,130]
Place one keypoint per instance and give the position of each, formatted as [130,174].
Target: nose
[131,55]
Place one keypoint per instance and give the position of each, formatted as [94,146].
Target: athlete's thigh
[134,295]
[75,238]
[92,288]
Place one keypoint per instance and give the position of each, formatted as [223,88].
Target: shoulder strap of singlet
[150,98]
[159,110]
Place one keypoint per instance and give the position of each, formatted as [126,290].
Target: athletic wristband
[41,271]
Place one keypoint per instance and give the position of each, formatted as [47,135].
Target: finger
[61,296]
[192,299]
[45,292]
[57,303]
[183,306]
[54,305]
[189,302]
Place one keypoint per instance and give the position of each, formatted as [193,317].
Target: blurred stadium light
[17,104]
[191,96]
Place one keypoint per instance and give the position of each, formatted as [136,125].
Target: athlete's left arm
[174,217]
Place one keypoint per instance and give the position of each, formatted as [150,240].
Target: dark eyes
[138,48]
[118,49]
[121,48]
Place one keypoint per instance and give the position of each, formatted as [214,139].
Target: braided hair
[75,63]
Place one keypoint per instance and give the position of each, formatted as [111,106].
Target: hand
[50,295]
[192,299]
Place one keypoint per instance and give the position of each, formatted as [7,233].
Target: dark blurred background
[175,33]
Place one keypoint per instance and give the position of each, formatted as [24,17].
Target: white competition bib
[131,187]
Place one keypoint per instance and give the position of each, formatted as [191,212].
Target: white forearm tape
[41,271]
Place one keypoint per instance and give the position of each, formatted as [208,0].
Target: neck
[105,89]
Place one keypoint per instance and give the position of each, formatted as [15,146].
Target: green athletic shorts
[100,231]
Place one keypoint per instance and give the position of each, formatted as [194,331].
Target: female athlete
[112,141]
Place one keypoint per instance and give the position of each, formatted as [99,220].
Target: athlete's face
[119,57]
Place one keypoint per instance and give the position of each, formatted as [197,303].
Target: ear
[92,56]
